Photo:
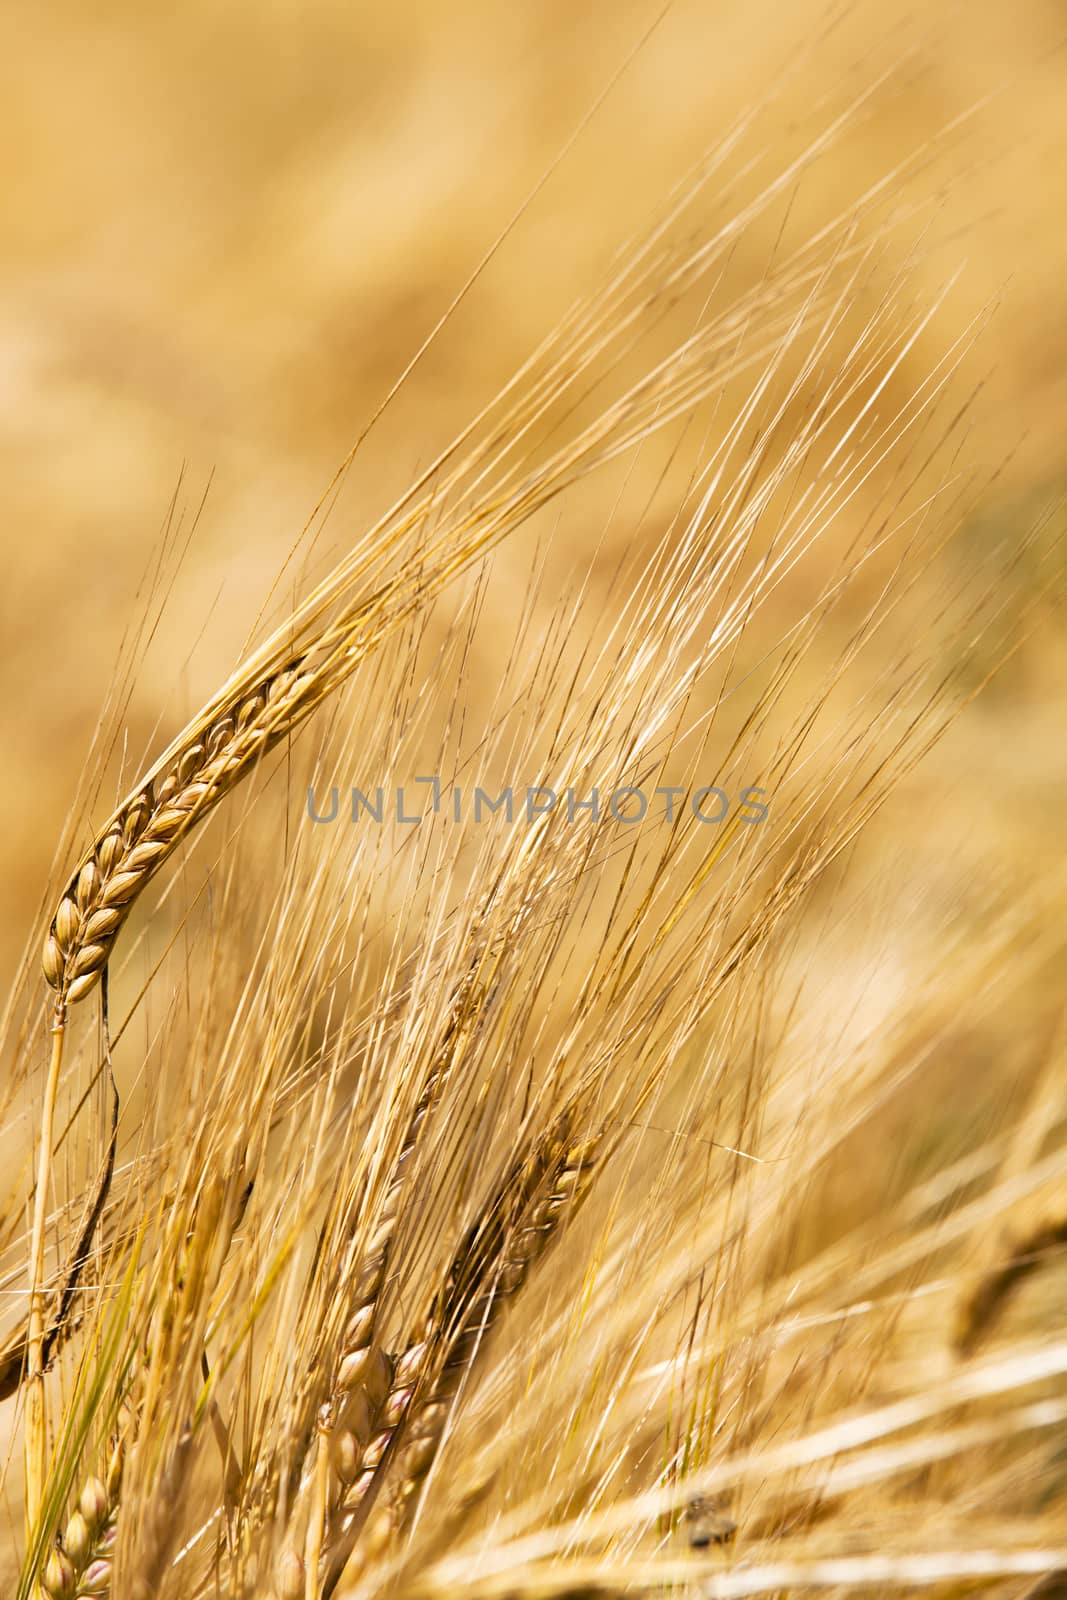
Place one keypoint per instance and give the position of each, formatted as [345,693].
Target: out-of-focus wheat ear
[987,1300]
[559,1196]
[36,1426]
[193,1242]
[486,1273]
[159,1532]
[81,1565]
[148,826]
[364,1373]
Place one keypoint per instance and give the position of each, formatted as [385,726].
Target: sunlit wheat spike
[558,1196]
[145,830]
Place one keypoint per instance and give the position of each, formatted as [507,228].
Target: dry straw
[368,1153]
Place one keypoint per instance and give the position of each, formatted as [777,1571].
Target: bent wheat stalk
[14,1363]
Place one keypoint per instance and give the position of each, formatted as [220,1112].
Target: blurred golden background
[227,227]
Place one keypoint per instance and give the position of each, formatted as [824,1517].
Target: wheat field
[534,701]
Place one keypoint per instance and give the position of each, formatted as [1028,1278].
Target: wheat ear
[363,1372]
[143,832]
[524,1245]
[490,1267]
[82,1562]
[988,1299]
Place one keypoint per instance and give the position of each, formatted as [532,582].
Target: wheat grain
[82,1562]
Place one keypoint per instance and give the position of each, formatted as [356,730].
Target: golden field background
[227,229]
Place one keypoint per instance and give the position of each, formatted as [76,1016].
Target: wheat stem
[36,1437]
[316,1521]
